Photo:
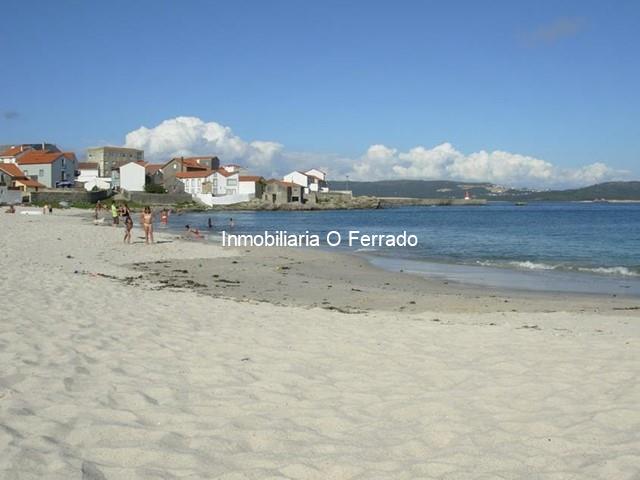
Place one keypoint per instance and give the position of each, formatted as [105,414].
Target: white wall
[87,174]
[132,177]
[248,188]
[103,183]
[211,200]
[297,178]
[226,185]
[316,173]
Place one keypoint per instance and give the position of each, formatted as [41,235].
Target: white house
[314,172]
[197,182]
[225,182]
[132,176]
[49,168]
[11,154]
[248,185]
[88,171]
[89,177]
[298,178]
[317,180]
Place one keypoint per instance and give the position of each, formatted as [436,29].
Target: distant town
[43,173]
[28,171]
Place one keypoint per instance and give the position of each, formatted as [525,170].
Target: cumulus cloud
[185,136]
[445,162]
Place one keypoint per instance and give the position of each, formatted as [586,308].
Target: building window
[232,182]
[41,172]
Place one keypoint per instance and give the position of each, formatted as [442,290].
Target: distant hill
[415,188]
[601,191]
[450,189]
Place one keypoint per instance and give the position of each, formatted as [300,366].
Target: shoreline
[110,373]
[349,283]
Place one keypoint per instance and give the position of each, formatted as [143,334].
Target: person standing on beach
[231,223]
[114,214]
[97,210]
[209,224]
[147,224]
[128,223]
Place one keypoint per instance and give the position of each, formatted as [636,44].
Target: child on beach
[164,217]
[147,224]
[115,214]
[128,223]
[193,232]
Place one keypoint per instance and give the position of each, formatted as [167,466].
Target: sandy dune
[102,379]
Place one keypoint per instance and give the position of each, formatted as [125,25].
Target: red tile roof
[192,163]
[87,166]
[199,174]
[11,169]
[250,178]
[36,157]
[152,168]
[27,182]
[224,173]
[13,151]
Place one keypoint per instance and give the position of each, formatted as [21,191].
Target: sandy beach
[186,360]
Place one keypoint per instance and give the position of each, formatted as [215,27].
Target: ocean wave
[534,266]
[623,271]
[367,250]
[528,265]
[524,265]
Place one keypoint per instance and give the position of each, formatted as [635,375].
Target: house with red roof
[278,192]
[313,180]
[184,164]
[251,185]
[12,177]
[196,182]
[47,167]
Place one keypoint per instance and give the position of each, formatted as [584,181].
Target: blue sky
[556,81]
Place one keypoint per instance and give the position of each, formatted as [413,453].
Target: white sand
[99,379]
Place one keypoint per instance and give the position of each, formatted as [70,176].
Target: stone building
[109,158]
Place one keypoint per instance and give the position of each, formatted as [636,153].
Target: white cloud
[192,136]
[184,136]
[445,162]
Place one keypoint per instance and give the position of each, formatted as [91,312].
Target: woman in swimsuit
[147,224]
[128,223]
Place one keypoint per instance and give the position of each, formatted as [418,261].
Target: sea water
[572,247]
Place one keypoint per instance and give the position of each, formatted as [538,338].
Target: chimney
[43,146]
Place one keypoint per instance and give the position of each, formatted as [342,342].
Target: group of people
[123,211]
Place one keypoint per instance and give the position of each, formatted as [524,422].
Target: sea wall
[70,196]
[145,198]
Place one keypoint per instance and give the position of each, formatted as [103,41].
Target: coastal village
[29,171]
